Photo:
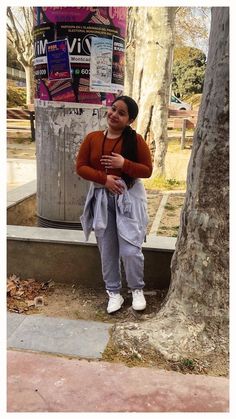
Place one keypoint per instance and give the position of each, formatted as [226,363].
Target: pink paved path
[45,383]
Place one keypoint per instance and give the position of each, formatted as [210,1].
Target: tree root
[175,338]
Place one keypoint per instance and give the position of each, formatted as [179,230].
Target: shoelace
[137,292]
[112,295]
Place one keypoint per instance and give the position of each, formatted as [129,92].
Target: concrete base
[20,194]
[64,256]
[22,213]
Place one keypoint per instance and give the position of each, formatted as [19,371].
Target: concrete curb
[81,338]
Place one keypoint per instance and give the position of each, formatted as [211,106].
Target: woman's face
[118,116]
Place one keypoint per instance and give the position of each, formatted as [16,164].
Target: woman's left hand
[115,161]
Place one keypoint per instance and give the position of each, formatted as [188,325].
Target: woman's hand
[116,161]
[114,185]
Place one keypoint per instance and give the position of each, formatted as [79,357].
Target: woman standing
[116,205]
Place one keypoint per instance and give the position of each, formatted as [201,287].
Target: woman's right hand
[114,185]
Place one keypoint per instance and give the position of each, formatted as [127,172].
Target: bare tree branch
[20,33]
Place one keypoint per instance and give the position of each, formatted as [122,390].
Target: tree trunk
[150,43]
[29,84]
[194,318]
[130,50]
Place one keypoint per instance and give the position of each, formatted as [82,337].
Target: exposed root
[181,345]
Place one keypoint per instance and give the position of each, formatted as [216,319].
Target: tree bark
[29,84]
[194,318]
[130,50]
[150,43]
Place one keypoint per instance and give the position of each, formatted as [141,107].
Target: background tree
[12,60]
[20,35]
[188,71]
[192,27]
[149,51]
[193,321]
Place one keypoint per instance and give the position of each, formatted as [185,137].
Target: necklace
[113,148]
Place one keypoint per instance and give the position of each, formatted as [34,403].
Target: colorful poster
[78,25]
[58,60]
[42,35]
[113,16]
[118,63]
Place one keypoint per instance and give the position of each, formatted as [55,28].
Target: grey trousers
[112,248]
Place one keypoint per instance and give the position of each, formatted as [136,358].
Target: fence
[25,114]
[182,119]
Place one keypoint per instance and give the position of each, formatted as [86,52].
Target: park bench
[24,114]
[181,119]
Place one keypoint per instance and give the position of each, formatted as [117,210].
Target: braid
[129,145]
[129,151]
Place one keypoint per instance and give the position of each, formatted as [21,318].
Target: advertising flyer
[58,60]
[101,65]
[118,62]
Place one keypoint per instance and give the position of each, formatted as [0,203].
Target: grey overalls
[119,223]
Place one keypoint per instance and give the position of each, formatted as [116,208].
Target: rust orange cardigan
[88,164]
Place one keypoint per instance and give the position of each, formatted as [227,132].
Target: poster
[112,16]
[42,35]
[118,63]
[58,60]
[101,65]
[78,25]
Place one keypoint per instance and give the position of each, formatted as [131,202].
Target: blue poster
[58,60]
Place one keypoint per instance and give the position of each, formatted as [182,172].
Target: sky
[202,44]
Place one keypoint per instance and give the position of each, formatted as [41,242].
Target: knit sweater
[89,167]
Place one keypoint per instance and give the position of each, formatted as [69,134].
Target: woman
[116,205]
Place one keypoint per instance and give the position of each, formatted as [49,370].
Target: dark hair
[131,105]
[129,145]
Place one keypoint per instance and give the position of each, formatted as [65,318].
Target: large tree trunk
[29,84]
[149,56]
[130,50]
[194,318]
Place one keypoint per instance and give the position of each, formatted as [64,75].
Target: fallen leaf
[30,303]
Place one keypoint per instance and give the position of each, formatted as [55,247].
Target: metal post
[32,118]
[183,133]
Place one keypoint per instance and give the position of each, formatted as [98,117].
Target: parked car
[179,104]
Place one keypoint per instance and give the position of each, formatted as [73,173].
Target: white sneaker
[115,302]
[139,302]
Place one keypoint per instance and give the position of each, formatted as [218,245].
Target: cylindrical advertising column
[79,70]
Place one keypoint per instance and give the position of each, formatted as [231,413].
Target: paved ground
[43,377]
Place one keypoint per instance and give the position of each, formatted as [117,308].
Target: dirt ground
[74,302]
[169,225]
